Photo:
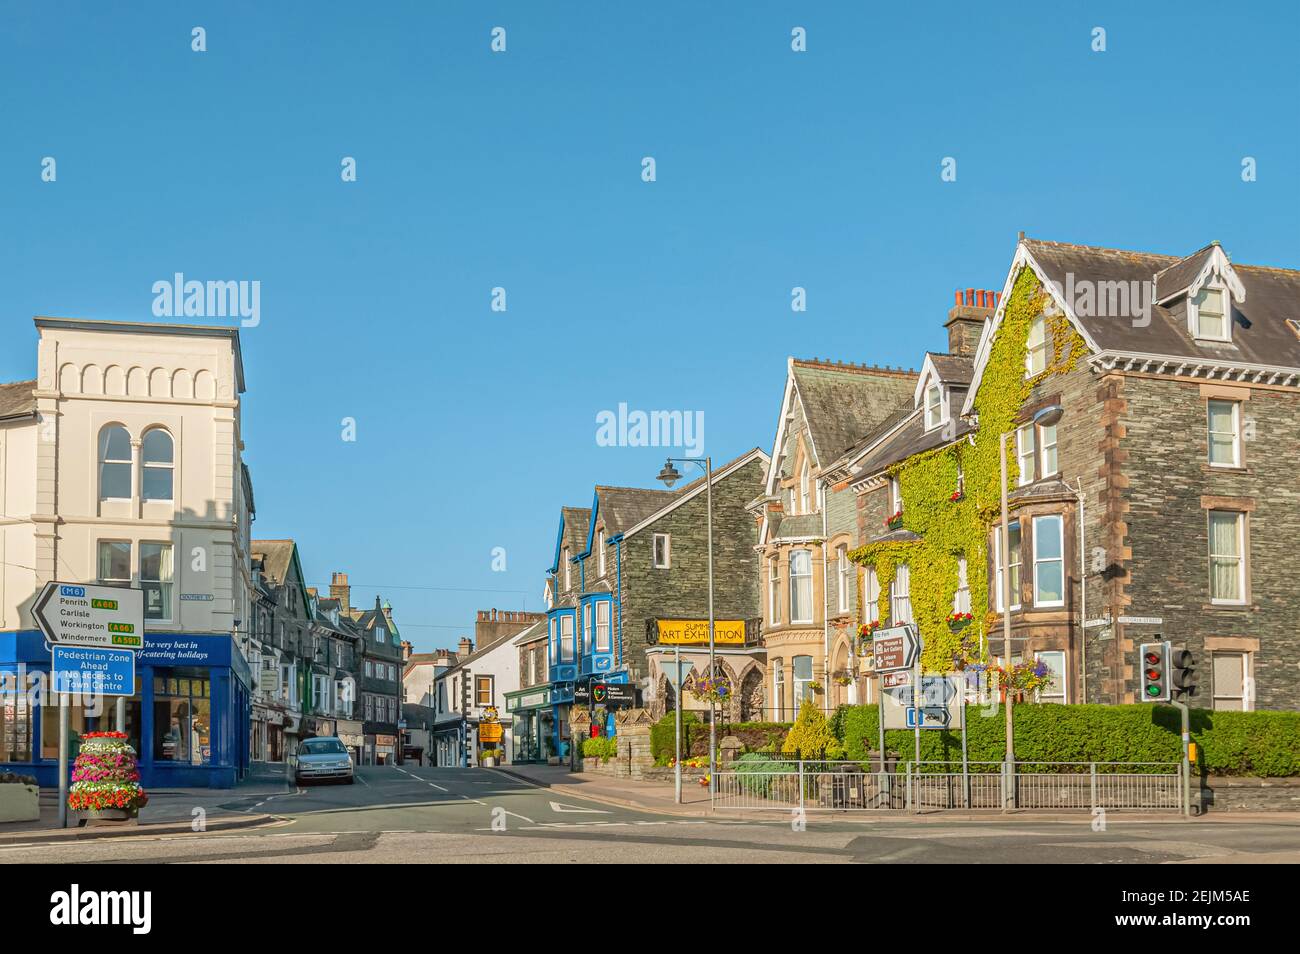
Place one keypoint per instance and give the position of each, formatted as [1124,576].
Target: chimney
[466,647]
[966,320]
[406,650]
[339,590]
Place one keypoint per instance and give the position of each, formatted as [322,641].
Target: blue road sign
[93,669]
[928,718]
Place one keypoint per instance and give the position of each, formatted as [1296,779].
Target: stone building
[807,526]
[1161,505]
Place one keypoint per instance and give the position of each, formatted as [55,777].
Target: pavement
[476,816]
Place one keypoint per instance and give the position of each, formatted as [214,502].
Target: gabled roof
[951,368]
[911,438]
[17,399]
[572,533]
[841,402]
[621,508]
[1263,299]
[695,488]
[275,556]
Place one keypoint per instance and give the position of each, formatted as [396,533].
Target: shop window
[15,727]
[76,726]
[182,718]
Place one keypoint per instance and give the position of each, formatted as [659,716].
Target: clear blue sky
[522,170]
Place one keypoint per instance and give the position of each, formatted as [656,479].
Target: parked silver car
[323,757]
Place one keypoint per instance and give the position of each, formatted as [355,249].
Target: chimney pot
[958,303]
[970,296]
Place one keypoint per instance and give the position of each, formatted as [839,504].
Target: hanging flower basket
[895,521]
[106,778]
[817,687]
[959,621]
[711,689]
[843,679]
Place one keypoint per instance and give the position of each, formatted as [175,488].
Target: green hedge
[601,747]
[695,735]
[1231,743]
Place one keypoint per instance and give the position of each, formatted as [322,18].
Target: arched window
[114,463]
[157,456]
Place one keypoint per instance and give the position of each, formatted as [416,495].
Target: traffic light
[1182,673]
[1155,671]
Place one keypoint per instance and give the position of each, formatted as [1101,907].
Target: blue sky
[523,170]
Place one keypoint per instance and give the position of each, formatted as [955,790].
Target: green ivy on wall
[950,529]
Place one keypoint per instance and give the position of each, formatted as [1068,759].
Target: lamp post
[670,475]
[1044,417]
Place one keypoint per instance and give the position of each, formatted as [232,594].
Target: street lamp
[670,475]
[1044,417]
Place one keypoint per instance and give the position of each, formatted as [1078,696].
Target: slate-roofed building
[1162,505]
[807,526]
[632,567]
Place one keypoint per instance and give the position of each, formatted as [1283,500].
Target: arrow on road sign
[557,807]
[82,614]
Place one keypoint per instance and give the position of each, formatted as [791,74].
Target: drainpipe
[1083,600]
[826,622]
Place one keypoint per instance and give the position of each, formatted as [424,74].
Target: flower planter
[489,763]
[109,816]
[19,802]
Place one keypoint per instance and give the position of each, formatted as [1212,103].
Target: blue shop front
[188,719]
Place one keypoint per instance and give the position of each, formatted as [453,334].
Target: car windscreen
[322,747]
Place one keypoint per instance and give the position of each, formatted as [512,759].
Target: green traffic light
[1153,690]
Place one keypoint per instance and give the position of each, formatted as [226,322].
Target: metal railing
[792,784]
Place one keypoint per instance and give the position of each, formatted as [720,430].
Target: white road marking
[559,807]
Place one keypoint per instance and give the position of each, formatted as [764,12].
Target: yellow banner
[683,632]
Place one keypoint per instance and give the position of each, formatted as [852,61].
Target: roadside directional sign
[88,669]
[895,647]
[82,614]
[928,718]
[899,677]
[940,702]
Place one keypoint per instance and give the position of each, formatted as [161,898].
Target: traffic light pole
[1187,761]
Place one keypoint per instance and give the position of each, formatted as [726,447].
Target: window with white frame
[961,598]
[1231,676]
[370,669]
[114,463]
[157,458]
[1054,691]
[778,689]
[1049,561]
[1013,535]
[1208,313]
[662,551]
[870,595]
[933,407]
[1036,347]
[568,569]
[585,620]
[115,562]
[156,580]
[901,595]
[845,578]
[1048,461]
[602,627]
[774,591]
[566,638]
[895,496]
[1224,425]
[1026,454]
[805,488]
[552,647]
[600,552]
[802,667]
[801,609]
[1227,560]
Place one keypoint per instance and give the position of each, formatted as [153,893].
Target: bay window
[801,609]
[1049,561]
[1000,566]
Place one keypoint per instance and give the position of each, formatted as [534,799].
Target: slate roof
[16,399]
[842,402]
[911,438]
[576,522]
[952,368]
[1259,336]
[1182,273]
[622,508]
[275,556]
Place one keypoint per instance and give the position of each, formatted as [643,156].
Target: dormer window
[933,407]
[1036,348]
[1208,314]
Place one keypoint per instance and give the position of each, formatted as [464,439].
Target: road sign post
[93,632]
